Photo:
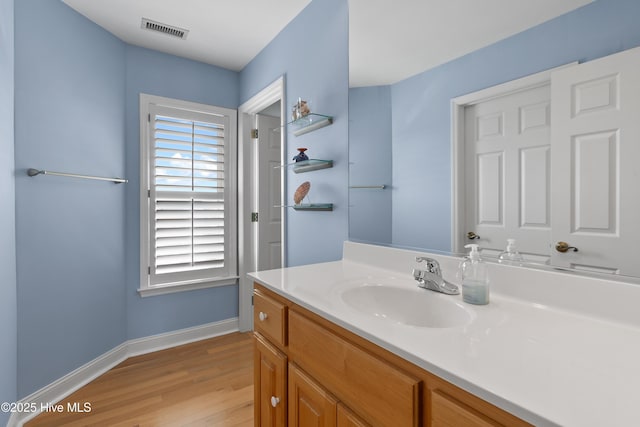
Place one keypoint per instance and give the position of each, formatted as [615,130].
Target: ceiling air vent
[148,24]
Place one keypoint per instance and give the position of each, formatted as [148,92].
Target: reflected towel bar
[34,172]
[373,187]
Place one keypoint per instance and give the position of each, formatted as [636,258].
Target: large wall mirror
[415,184]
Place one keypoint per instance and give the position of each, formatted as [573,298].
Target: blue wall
[421,107]
[312,53]
[370,161]
[159,74]
[77,241]
[8,308]
[76,110]
[70,233]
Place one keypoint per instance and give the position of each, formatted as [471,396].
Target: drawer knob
[275,401]
[262,316]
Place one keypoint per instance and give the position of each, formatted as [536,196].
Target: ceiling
[386,43]
[226,33]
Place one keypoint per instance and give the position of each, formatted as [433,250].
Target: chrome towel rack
[372,187]
[35,172]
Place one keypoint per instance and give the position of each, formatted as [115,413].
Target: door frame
[458,177]
[248,193]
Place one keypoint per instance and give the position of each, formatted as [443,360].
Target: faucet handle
[432,265]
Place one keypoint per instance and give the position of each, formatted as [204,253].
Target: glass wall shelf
[309,206]
[314,207]
[309,165]
[309,123]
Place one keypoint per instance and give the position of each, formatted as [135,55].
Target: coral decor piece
[301,192]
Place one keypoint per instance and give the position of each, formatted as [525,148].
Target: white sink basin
[416,307]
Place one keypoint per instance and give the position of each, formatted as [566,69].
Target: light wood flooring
[206,383]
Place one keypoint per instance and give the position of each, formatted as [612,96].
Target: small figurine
[300,109]
[301,156]
[303,108]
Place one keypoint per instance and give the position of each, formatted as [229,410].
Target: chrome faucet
[431,278]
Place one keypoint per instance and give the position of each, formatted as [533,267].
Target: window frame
[148,104]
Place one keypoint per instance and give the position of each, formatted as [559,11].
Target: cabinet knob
[262,316]
[275,401]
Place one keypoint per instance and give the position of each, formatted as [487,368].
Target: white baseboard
[80,377]
[158,342]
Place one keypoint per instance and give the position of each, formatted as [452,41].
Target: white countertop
[546,363]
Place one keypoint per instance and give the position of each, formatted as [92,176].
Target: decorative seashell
[301,192]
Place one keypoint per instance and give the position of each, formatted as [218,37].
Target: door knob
[262,316]
[275,401]
[564,247]
[471,235]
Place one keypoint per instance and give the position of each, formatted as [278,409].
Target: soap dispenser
[511,255]
[475,278]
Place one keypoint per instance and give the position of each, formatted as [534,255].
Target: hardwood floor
[206,383]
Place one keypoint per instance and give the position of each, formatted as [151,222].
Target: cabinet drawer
[447,411]
[380,393]
[270,318]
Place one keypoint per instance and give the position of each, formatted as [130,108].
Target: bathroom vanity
[355,343]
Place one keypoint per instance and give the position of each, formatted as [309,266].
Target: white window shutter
[190,229]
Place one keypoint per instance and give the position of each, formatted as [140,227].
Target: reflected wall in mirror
[420,190]
[370,164]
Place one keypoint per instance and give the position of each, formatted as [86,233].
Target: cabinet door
[447,411]
[309,404]
[270,382]
[346,418]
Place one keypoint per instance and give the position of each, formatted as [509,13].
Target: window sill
[173,288]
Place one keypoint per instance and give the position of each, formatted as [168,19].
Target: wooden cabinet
[447,411]
[346,418]
[270,384]
[309,403]
[337,378]
[368,385]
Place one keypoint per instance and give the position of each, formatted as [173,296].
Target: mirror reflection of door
[269,193]
[507,169]
[595,169]
[557,166]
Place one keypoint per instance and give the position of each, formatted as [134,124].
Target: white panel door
[595,172]
[269,193]
[507,169]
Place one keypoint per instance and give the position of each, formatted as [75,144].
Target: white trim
[457,141]
[170,289]
[248,181]
[166,340]
[88,372]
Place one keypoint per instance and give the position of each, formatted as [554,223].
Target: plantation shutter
[188,197]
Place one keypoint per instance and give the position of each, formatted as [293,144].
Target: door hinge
[149,270]
[251,299]
[148,193]
[254,216]
[254,133]
[149,117]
